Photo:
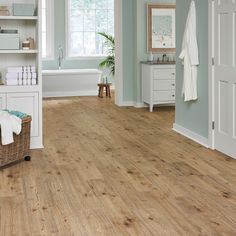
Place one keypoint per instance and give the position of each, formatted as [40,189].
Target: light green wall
[60,40]
[193,115]
[141,47]
[135,44]
[129,46]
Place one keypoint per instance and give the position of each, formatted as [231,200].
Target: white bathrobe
[189,55]
[9,124]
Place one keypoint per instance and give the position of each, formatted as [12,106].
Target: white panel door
[27,103]
[225,76]
[3,97]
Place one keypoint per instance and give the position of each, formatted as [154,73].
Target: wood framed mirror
[161,28]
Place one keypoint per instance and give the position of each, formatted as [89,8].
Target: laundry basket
[18,150]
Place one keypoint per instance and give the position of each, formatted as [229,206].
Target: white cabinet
[27,98]
[29,104]
[3,101]
[158,84]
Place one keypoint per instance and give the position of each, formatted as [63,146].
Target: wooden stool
[101,88]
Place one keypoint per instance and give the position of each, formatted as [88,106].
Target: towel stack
[22,75]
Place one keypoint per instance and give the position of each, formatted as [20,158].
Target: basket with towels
[15,137]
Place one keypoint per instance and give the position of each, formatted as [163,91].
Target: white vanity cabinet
[158,84]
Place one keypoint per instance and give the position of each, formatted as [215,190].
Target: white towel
[25,82]
[12,82]
[21,69]
[189,56]
[28,75]
[33,82]
[9,124]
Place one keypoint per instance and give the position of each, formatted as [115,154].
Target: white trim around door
[118,53]
[222,111]
[211,103]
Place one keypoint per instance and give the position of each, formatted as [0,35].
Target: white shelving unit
[20,51]
[27,99]
[18,17]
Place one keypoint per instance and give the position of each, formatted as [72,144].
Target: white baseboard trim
[144,105]
[133,104]
[191,135]
[36,143]
[127,104]
[140,105]
[69,94]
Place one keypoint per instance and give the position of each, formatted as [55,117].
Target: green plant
[109,61]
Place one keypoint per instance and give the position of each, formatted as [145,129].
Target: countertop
[158,62]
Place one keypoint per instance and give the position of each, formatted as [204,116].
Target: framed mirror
[161,28]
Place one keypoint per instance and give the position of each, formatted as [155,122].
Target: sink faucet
[163,57]
[60,56]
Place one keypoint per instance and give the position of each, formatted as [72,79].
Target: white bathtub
[70,82]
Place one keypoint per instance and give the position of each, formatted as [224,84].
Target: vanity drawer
[163,84]
[163,96]
[164,73]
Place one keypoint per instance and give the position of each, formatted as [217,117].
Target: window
[47,29]
[84,19]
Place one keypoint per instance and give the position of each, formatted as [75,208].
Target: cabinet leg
[151,108]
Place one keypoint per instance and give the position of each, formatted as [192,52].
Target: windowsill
[70,58]
[48,59]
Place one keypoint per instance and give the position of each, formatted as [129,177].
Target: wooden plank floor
[117,171]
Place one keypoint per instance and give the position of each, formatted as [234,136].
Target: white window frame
[50,32]
[67,26]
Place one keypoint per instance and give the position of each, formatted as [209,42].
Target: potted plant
[109,61]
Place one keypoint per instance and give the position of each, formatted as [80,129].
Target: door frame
[118,53]
[211,83]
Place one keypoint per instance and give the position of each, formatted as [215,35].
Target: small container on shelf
[1,81]
[31,41]
[4,11]
[23,9]
[9,41]
[26,45]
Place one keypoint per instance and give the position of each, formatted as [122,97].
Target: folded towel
[9,124]
[12,76]
[12,82]
[21,69]
[33,82]
[25,82]
[28,75]
[18,114]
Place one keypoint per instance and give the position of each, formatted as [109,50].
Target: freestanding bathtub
[70,82]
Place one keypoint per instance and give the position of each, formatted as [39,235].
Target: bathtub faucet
[60,56]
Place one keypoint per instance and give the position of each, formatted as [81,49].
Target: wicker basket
[20,148]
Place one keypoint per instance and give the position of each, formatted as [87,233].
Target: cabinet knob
[173,84]
[173,95]
[173,73]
